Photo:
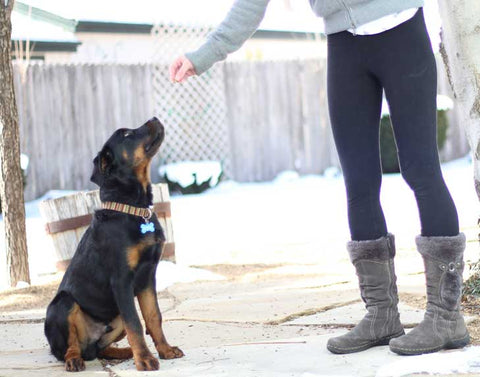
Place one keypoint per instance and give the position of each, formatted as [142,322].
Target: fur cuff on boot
[382,248]
[443,248]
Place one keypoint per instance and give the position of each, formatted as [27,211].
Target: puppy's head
[127,154]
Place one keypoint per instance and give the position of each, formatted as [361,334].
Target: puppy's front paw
[169,352]
[147,362]
[74,365]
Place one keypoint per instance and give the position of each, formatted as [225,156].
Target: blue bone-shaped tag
[147,228]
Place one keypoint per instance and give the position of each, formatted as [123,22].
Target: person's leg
[409,76]
[408,73]
[354,101]
[354,97]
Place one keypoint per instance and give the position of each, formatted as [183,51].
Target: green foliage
[388,148]
[195,188]
[472,285]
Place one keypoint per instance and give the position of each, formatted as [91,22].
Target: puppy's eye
[127,133]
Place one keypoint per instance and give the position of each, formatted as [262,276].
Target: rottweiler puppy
[115,262]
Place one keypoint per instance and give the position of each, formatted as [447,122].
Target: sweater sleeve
[240,23]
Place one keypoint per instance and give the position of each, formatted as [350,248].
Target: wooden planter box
[67,218]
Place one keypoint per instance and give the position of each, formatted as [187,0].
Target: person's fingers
[182,72]
[174,68]
[181,69]
[186,70]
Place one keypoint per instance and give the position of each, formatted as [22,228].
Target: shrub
[191,177]
[388,148]
[472,285]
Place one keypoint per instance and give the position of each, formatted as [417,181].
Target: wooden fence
[276,118]
[67,112]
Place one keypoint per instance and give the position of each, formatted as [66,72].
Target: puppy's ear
[101,166]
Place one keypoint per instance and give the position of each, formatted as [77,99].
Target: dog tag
[147,228]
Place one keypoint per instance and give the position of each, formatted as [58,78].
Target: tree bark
[11,185]
[460,50]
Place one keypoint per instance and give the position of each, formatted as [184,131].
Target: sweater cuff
[203,58]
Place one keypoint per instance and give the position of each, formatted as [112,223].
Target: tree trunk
[461,54]
[11,185]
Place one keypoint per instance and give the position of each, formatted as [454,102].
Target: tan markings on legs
[144,360]
[116,353]
[147,300]
[117,333]
[83,330]
[73,356]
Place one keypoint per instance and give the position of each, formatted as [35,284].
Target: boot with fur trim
[373,261]
[443,326]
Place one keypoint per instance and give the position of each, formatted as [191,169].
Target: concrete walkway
[257,321]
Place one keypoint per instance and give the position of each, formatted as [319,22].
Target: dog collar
[145,213]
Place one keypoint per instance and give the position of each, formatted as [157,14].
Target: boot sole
[380,342]
[454,344]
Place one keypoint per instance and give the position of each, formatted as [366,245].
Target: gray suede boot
[443,325]
[373,261]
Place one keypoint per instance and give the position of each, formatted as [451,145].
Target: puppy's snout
[155,123]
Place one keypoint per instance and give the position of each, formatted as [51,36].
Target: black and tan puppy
[115,262]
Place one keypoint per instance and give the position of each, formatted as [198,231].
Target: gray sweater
[246,15]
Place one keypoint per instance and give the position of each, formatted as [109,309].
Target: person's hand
[181,69]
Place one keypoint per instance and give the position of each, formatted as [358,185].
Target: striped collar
[145,213]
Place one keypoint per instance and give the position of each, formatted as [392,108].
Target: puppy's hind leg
[116,353]
[116,333]
[61,331]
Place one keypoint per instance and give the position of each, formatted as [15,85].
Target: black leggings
[399,61]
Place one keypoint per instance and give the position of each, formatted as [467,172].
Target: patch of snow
[304,221]
[449,362]
[332,172]
[24,160]
[22,284]
[187,172]
[286,177]
[444,102]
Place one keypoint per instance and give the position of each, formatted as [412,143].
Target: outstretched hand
[181,69]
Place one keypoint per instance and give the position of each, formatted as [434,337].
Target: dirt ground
[34,297]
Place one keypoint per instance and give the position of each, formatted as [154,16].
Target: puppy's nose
[154,122]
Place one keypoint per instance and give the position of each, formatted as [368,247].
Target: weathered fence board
[68,111]
[278,118]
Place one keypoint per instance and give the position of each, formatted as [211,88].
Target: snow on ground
[292,219]
[466,361]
